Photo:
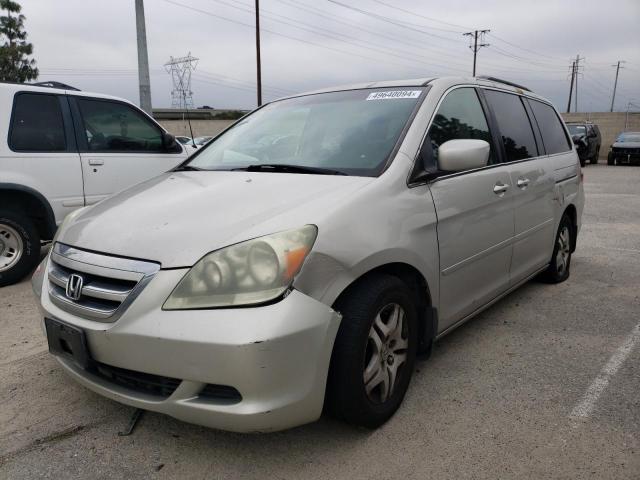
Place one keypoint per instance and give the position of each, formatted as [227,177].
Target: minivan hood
[178,217]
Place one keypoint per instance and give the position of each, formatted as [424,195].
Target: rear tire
[371,366]
[19,247]
[594,159]
[559,268]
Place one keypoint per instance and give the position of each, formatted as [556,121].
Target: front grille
[106,284]
[155,385]
[626,151]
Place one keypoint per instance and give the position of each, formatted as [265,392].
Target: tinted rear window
[553,134]
[37,124]
[514,125]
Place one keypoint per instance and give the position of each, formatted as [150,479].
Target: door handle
[523,182]
[96,161]
[499,188]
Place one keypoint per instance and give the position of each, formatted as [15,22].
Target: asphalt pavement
[544,384]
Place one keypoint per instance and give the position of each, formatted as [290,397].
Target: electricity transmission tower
[180,70]
[475,46]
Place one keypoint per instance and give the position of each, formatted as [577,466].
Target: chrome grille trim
[110,283]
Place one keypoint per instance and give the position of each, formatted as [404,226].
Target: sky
[310,44]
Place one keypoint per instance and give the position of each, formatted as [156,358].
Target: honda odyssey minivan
[304,257]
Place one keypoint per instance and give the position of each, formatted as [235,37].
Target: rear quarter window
[553,133]
[514,125]
[37,124]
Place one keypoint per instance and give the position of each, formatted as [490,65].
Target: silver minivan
[304,257]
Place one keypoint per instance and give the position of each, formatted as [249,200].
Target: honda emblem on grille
[74,286]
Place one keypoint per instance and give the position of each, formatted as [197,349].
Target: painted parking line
[590,398]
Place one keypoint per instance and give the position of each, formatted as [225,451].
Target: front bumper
[622,157]
[276,356]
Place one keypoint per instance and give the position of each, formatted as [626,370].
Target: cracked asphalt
[494,400]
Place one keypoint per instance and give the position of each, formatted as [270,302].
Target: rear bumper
[276,356]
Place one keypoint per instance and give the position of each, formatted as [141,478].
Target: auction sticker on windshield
[394,94]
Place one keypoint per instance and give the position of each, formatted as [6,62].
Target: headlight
[247,273]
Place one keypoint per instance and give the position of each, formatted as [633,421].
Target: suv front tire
[19,246]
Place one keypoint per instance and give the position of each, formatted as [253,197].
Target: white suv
[61,149]
[315,246]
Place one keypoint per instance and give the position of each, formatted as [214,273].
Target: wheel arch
[32,203]
[418,285]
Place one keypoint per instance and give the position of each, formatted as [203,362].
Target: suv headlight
[246,273]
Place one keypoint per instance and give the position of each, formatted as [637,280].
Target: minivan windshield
[348,132]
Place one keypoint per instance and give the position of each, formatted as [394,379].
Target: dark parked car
[586,136]
[625,150]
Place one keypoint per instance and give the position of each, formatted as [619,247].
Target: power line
[391,21]
[493,35]
[395,7]
[375,47]
[308,42]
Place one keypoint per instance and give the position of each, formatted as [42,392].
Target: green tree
[15,64]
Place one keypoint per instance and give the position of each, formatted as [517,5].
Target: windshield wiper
[187,168]
[286,168]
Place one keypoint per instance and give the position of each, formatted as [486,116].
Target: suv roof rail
[54,84]
[499,80]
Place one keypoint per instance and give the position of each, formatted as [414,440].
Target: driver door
[120,146]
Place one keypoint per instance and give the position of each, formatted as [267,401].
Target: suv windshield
[577,129]
[350,132]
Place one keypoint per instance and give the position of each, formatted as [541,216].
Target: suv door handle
[499,188]
[96,161]
[522,182]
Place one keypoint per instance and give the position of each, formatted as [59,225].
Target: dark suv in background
[586,136]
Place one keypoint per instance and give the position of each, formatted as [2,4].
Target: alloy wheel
[564,250]
[386,353]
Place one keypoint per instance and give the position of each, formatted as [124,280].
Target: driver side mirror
[170,143]
[460,155]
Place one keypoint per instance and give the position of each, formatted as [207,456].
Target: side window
[37,125]
[514,125]
[116,127]
[554,136]
[460,116]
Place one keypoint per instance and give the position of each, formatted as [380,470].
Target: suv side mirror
[460,155]
[170,143]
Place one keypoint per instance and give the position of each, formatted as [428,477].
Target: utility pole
[475,46]
[615,84]
[258,66]
[143,59]
[573,74]
[576,80]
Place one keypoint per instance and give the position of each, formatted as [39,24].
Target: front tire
[374,352]
[594,159]
[610,160]
[19,246]
[559,267]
